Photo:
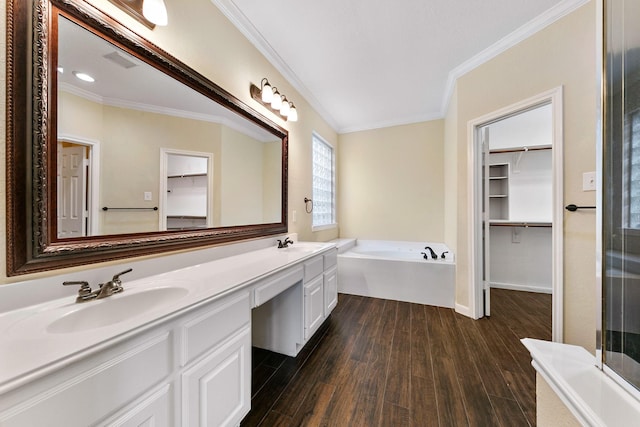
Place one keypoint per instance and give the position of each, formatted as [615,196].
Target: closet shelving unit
[499,174]
[189,221]
[499,191]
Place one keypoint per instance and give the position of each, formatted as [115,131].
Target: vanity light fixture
[285,108]
[276,102]
[293,113]
[155,11]
[61,70]
[266,91]
[269,96]
[84,76]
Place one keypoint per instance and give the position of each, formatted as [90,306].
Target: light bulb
[155,11]
[293,114]
[267,93]
[276,102]
[284,111]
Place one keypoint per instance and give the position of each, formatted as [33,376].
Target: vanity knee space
[300,300]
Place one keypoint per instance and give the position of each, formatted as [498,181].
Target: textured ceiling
[366,64]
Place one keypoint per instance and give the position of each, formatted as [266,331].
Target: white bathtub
[397,270]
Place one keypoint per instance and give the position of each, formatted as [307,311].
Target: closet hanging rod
[573,208]
[155,208]
[517,150]
[521,224]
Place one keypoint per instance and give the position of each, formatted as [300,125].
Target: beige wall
[451,174]
[241,182]
[202,37]
[550,410]
[391,183]
[563,54]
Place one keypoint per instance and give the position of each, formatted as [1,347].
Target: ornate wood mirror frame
[31,155]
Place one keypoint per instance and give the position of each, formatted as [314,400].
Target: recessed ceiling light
[84,76]
[60,70]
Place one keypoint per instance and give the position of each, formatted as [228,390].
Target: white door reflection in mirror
[72,194]
[187,194]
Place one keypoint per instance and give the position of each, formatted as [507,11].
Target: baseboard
[526,288]
[463,309]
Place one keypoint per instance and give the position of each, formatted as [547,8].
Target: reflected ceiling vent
[120,59]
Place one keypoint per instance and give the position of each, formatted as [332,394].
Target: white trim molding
[542,21]
[246,27]
[553,97]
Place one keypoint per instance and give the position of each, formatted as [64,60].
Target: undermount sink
[114,309]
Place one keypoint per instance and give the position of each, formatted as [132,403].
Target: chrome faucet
[113,286]
[284,244]
[85,293]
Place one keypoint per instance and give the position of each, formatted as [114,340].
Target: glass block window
[324,212]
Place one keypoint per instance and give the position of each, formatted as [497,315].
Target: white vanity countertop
[593,397]
[28,351]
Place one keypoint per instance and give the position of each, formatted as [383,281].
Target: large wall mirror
[116,149]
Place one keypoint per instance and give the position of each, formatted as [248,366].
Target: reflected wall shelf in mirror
[194,110]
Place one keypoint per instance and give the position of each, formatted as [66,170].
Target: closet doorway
[186,189]
[517,203]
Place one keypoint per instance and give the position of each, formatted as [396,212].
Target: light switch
[295,216]
[589,181]
[147,196]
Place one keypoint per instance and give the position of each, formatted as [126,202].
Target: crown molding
[391,123]
[246,27]
[537,24]
[147,108]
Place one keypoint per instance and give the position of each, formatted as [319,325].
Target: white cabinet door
[330,291]
[313,306]
[216,391]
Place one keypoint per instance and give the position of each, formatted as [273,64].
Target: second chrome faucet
[85,293]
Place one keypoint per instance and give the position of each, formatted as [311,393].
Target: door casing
[476,259]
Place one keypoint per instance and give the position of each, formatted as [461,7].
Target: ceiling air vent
[120,59]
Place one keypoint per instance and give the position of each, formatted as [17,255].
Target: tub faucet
[284,244]
[433,254]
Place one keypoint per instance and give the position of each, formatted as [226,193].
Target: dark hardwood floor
[387,363]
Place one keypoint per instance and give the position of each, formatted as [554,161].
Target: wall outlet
[147,196]
[589,181]
[515,235]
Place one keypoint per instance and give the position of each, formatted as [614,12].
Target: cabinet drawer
[330,259]
[98,386]
[272,286]
[313,267]
[154,409]
[213,324]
